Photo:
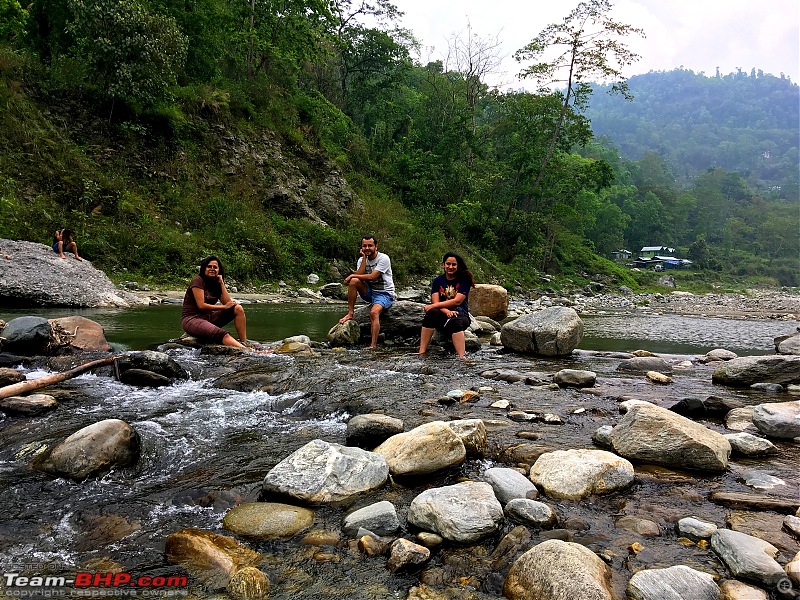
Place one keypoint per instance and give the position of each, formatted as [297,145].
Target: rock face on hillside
[292,185]
[32,274]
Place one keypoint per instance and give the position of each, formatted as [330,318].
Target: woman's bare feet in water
[257,348]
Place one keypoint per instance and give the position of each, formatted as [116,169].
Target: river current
[205,449]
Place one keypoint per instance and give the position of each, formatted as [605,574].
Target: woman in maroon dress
[207,307]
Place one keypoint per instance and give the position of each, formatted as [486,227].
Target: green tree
[277,38]
[699,252]
[209,26]
[647,224]
[589,46]
[13,21]
[134,53]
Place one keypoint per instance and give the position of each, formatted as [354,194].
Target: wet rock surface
[93,450]
[34,275]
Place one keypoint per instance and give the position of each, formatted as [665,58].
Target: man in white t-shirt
[373,282]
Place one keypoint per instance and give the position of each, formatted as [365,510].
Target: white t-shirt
[381,263]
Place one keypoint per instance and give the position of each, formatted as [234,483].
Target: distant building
[652,251]
[659,258]
[621,254]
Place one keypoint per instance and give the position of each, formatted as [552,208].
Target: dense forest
[738,122]
[119,118]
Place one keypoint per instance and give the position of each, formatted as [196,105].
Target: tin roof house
[621,254]
[659,258]
[652,251]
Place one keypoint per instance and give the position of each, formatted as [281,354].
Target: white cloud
[696,34]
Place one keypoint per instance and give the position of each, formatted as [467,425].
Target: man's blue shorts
[376,297]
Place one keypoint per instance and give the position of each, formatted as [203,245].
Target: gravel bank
[754,304]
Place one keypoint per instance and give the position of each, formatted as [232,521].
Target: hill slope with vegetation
[274,134]
[749,124]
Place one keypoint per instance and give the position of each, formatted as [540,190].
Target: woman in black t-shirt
[449,308]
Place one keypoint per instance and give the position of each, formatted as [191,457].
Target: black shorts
[436,319]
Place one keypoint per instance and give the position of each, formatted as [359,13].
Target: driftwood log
[23,387]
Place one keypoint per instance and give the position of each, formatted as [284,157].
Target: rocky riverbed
[283,476]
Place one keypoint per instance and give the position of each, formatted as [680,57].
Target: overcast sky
[700,35]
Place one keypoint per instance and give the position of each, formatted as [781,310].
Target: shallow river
[207,449]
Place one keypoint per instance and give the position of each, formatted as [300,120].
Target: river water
[206,449]
[147,327]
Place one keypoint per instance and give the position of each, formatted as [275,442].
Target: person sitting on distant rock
[449,307]
[207,307]
[64,240]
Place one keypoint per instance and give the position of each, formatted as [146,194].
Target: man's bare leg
[375,323]
[354,287]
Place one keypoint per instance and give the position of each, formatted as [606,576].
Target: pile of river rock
[378,450]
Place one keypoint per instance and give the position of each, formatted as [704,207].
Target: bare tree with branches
[586,46]
[474,58]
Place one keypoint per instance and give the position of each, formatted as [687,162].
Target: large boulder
[370,430]
[93,450]
[79,334]
[486,300]
[155,362]
[554,331]
[403,319]
[747,370]
[464,512]
[651,434]
[779,419]
[673,583]
[28,406]
[556,570]
[26,335]
[425,449]
[321,472]
[788,344]
[344,334]
[36,276]
[576,474]
[748,557]
[509,484]
[214,559]
[268,520]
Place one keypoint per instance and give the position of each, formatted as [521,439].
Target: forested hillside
[738,122]
[275,133]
